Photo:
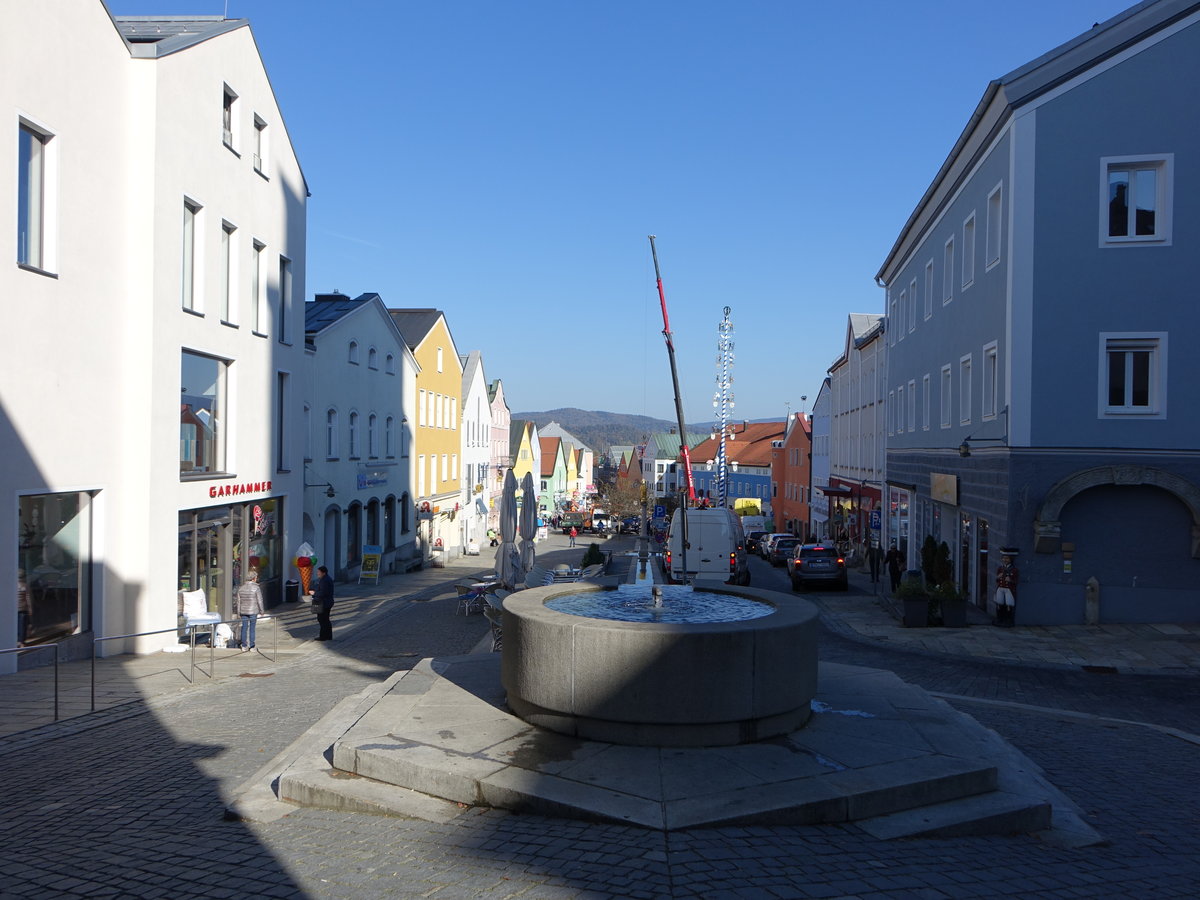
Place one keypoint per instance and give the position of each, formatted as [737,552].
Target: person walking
[573,535]
[322,595]
[249,605]
[894,562]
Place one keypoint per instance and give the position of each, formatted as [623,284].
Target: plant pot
[916,612]
[954,613]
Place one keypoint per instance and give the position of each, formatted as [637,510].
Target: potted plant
[952,603]
[916,602]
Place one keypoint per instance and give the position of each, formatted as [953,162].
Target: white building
[476,435]
[500,458]
[360,386]
[158,224]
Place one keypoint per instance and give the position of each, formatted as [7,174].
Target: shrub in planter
[916,601]
[951,603]
[593,556]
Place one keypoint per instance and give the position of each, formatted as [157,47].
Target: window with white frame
[421,408]
[929,289]
[421,475]
[352,354]
[1133,374]
[389,365]
[912,305]
[912,405]
[285,299]
[925,390]
[202,414]
[372,436]
[964,390]
[228,272]
[35,197]
[228,116]
[260,145]
[307,433]
[893,320]
[903,316]
[946,402]
[372,358]
[445,466]
[258,294]
[995,222]
[1136,199]
[283,401]
[191,240]
[991,388]
[331,433]
[453,466]
[439,359]
[389,437]
[968,251]
[353,435]
[948,272]
[900,410]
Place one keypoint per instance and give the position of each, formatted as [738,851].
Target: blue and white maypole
[723,401]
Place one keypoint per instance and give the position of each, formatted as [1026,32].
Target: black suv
[817,563]
[752,538]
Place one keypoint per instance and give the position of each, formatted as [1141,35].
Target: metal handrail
[35,649]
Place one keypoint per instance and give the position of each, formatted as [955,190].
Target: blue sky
[504,162]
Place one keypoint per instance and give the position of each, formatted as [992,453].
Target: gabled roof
[551,448]
[665,444]
[471,363]
[861,329]
[156,36]
[553,429]
[415,324]
[750,445]
[516,433]
[326,310]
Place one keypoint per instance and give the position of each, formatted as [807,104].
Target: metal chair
[495,619]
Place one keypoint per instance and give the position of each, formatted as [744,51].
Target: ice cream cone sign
[304,561]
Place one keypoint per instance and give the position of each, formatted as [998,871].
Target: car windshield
[811,552]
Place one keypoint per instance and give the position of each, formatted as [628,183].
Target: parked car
[631,525]
[764,543]
[817,563]
[781,550]
[752,538]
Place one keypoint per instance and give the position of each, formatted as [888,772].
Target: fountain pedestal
[655,684]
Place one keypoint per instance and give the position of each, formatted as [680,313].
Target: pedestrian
[249,605]
[894,562]
[573,535]
[492,536]
[322,597]
[874,555]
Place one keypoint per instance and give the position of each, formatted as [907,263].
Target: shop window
[202,415]
[54,566]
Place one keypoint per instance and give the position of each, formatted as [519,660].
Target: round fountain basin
[680,604]
[682,684]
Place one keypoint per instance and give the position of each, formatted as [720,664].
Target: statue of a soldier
[1007,577]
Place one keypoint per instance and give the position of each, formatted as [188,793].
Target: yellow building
[436,438]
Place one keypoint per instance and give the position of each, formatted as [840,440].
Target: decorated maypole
[723,401]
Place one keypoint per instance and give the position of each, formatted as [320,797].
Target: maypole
[723,400]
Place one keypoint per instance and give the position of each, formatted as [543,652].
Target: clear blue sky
[504,162]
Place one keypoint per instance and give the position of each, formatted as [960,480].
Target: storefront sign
[372,478]
[943,488]
[369,570]
[234,490]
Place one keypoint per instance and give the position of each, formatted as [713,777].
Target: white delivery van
[716,547]
[754,523]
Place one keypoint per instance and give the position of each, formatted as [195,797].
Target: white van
[716,547]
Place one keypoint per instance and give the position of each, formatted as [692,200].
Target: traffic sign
[876,520]
[660,511]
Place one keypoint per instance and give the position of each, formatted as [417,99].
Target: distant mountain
[599,430]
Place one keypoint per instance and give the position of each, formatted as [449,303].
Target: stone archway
[1047,526]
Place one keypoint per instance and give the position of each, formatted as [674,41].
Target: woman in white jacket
[249,605]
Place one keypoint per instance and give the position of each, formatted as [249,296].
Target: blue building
[1030,300]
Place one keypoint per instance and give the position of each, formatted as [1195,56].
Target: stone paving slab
[895,749]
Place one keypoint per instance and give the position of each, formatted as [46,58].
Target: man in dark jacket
[322,594]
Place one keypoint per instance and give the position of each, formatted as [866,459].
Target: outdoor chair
[495,620]
[196,615]
[593,571]
[538,577]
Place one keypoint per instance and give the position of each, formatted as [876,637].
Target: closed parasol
[508,560]
[528,523]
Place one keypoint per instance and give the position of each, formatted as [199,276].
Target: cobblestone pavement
[130,803]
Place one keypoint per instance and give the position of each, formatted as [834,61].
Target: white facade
[138,187]
[500,453]
[360,382]
[476,453]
